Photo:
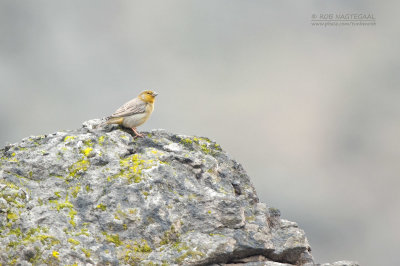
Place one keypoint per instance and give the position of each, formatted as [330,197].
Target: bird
[134,113]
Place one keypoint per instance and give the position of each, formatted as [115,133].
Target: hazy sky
[311,112]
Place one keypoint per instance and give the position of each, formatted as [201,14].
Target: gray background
[312,113]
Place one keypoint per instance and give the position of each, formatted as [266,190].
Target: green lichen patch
[13,195]
[120,214]
[170,236]
[82,165]
[15,231]
[12,216]
[73,241]
[136,251]
[32,235]
[250,218]
[83,231]
[189,254]
[179,246]
[9,158]
[71,215]
[204,144]
[112,238]
[88,143]
[86,252]
[62,205]
[101,207]
[212,234]
[131,168]
[66,204]
[75,190]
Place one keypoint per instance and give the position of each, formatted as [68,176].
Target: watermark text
[343,19]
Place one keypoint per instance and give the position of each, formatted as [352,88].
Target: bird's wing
[135,106]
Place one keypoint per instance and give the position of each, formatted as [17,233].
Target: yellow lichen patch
[9,184]
[101,207]
[101,140]
[62,205]
[56,254]
[68,138]
[205,149]
[82,232]
[86,251]
[73,241]
[66,204]
[212,234]
[16,231]
[135,252]
[12,216]
[187,141]
[31,236]
[71,215]
[81,165]
[12,196]
[75,190]
[88,142]
[13,160]
[86,151]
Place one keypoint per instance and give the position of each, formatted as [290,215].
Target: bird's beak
[155,93]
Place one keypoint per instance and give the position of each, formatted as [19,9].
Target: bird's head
[148,96]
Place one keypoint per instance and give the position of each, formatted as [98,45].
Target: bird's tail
[110,120]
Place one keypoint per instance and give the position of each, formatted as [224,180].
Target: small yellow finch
[135,112]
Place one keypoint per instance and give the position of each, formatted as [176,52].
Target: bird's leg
[137,133]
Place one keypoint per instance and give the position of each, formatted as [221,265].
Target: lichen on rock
[99,196]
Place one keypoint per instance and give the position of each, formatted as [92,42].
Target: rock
[100,197]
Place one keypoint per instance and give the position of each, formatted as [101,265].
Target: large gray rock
[99,196]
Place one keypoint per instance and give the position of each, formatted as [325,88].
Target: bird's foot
[137,134]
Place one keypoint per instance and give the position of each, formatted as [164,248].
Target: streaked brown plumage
[135,112]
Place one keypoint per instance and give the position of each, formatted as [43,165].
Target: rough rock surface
[100,197]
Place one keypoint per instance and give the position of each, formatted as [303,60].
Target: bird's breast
[138,119]
[149,108]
